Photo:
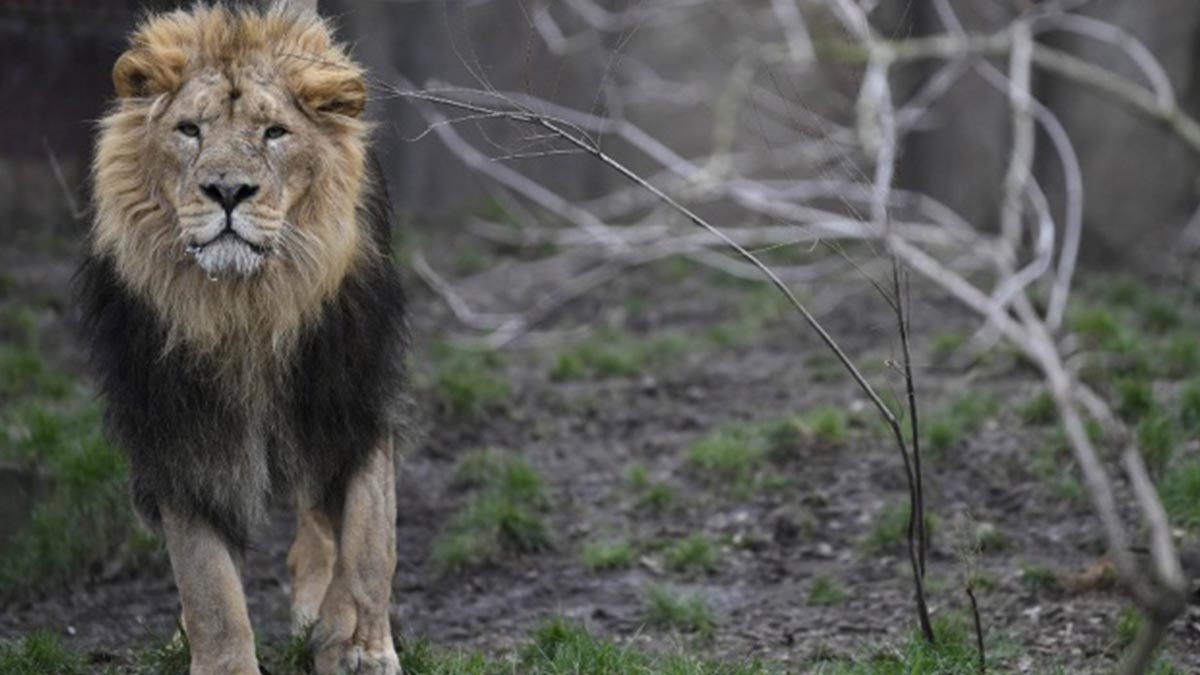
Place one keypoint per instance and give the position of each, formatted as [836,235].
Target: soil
[584,435]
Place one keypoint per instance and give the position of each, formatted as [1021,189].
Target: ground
[689,473]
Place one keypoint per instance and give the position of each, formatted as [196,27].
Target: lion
[247,324]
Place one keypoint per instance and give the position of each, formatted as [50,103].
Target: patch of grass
[782,438]
[478,468]
[293,656]
[667,609]
[87,492]
[564,648]
[657,497]
[1135,398]
[652,495]
[989,538]
[169,657]
[962,417]
[1181,355]
[1179,489]
[889,533]
[1039,577]
[825,591]
[472,258]
[616,354]
[1161,316]
[824,368]
[638,477]
[468,383]
[827,425]
[1125,291]
[1156,435]
[505,516]
[40,653]
[1189,407]
[1097,324]
[1039,410]
[730,454]
[23,370]
[953,654]
[1129,622]
[608,555]
[696,553]
[945,345]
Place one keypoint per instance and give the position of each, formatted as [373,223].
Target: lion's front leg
[214,606]
[353,633]
[310,564]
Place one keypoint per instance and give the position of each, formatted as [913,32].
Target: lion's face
[234,154]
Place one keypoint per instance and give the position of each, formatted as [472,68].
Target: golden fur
[233,73]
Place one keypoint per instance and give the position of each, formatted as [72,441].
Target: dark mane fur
[195,448]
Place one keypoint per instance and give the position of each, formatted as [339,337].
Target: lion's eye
[189,129]
[275,131]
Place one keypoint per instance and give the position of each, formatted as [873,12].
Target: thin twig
[978,628]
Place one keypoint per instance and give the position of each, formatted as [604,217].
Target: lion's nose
[229,195]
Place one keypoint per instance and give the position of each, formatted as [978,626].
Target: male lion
[247,323]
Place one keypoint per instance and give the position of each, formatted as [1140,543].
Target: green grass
[1189,407]
[1135,398]
[616,354]
[945,345]
[953,654]
[1039,410]
[889,532]
[467,384]
[40,653]
[51,428]
[651,495]
[1181,355]
[732,454]
[1160,316]
[608,555]
[694,554]
[1097,324]
[1129,622]
[291,657]
[24,372]
[638,476]
[168,657]
[825,591]
[824,368]
[1157,437]
[1039,577]
[86,491]
[563,648]
[668,609]
[954,422]
[1113,331]
[504,516]
[657,498]
[783,438]
[827,425]
[1179,489]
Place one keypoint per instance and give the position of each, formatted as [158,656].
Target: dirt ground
[808,521]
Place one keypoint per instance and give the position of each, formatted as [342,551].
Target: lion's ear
[143,72]
[338,91]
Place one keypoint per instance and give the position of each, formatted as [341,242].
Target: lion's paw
[358,660]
